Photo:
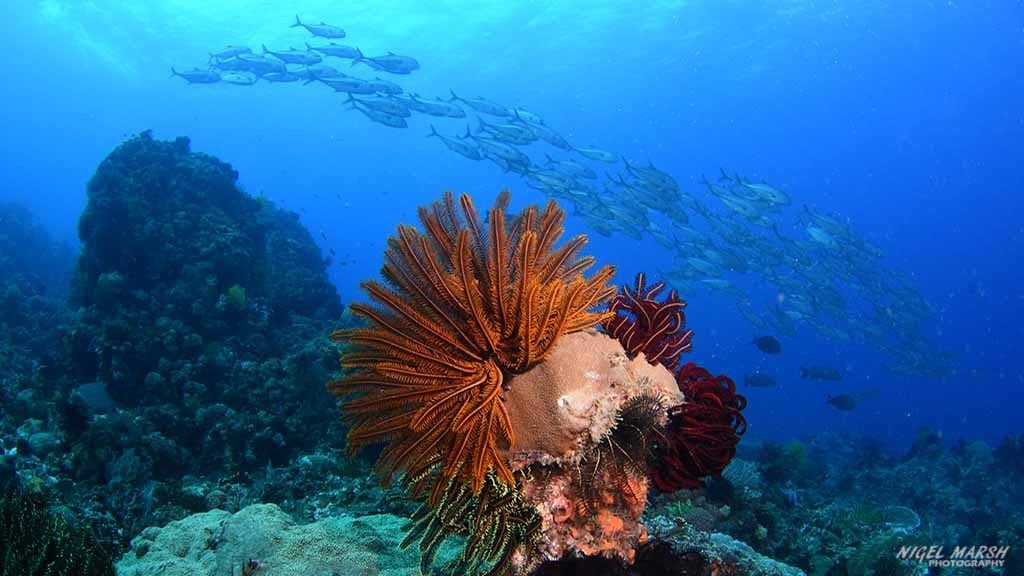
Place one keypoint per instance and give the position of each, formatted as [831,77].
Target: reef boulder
[217,542]
[203,312]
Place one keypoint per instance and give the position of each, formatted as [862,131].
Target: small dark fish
[843,402]
[768,344]
[820,373]
[759,380]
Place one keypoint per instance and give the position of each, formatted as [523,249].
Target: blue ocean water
[903,119]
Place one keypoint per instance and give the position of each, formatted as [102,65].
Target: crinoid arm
[465,305]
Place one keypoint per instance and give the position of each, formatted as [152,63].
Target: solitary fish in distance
[768,344]
[843,402]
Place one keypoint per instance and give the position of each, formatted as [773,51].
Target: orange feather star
[466,306]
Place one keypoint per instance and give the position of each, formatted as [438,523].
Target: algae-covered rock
[192,293]
[216,543]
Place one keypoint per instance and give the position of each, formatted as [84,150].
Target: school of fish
[783,267]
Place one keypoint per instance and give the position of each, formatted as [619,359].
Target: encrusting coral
[501,406]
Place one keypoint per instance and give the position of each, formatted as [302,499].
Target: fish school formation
[733,237]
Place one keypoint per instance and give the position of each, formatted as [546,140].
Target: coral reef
[197,303]
[839,505]
[196,352]
[34,272]
[265,540]
[34,541]
[519,426]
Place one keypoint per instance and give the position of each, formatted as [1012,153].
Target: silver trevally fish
[554,178]
[481,105]
[233,63]
[229,52]
[506,164]
[384,86]
[598,154]
[526,116]
[820,236]
[318,71]
[197,76]
[241,78]
[281,77]
[434,107]
[348,84]
[652,175]
[548,135]
[378,116]
[336,50]
[740,206]
[768,193]
[572,168]
[456,145]
[261,64]
[293,56]
[385,105]
[501,150]
[390,62]
[322,30]
[702,266]
[510,133]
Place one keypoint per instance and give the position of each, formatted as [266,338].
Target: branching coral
[468,306]
[702,433]
[643,324]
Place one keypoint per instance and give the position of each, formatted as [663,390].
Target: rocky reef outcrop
[194,350]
